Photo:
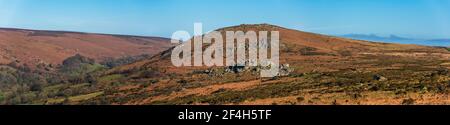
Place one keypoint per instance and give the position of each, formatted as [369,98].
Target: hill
[322,70]
[318,69]
[297,45]
[52,47]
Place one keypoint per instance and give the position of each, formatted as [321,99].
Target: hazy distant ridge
[398,39]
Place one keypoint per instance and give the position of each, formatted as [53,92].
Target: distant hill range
[398,39]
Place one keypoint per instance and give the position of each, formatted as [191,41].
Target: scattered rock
[380,78]
[235,69]
[285,70]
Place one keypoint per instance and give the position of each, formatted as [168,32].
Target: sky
[407,18]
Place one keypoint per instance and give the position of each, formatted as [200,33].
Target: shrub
[151,73]
[111,62]
[182,82]
[36,87]
[300,99]
[345,53]
[2,97]
[408,101]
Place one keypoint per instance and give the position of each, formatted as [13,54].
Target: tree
[36,87]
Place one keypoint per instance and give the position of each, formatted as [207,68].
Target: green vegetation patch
[74,98]
[85,97]
[53,88]
[84,69]
[110,78]
[79,85]
[55,100]
[1,97]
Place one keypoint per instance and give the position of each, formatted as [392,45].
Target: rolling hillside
[297,45]
[318,69]
[52,47]
[323,70]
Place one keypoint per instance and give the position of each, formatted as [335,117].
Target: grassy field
[73,99]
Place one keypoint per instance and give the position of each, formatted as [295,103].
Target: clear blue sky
[408,18]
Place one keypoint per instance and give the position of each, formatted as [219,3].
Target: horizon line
[157,36]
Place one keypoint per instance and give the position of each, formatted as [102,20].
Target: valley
[322,70]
